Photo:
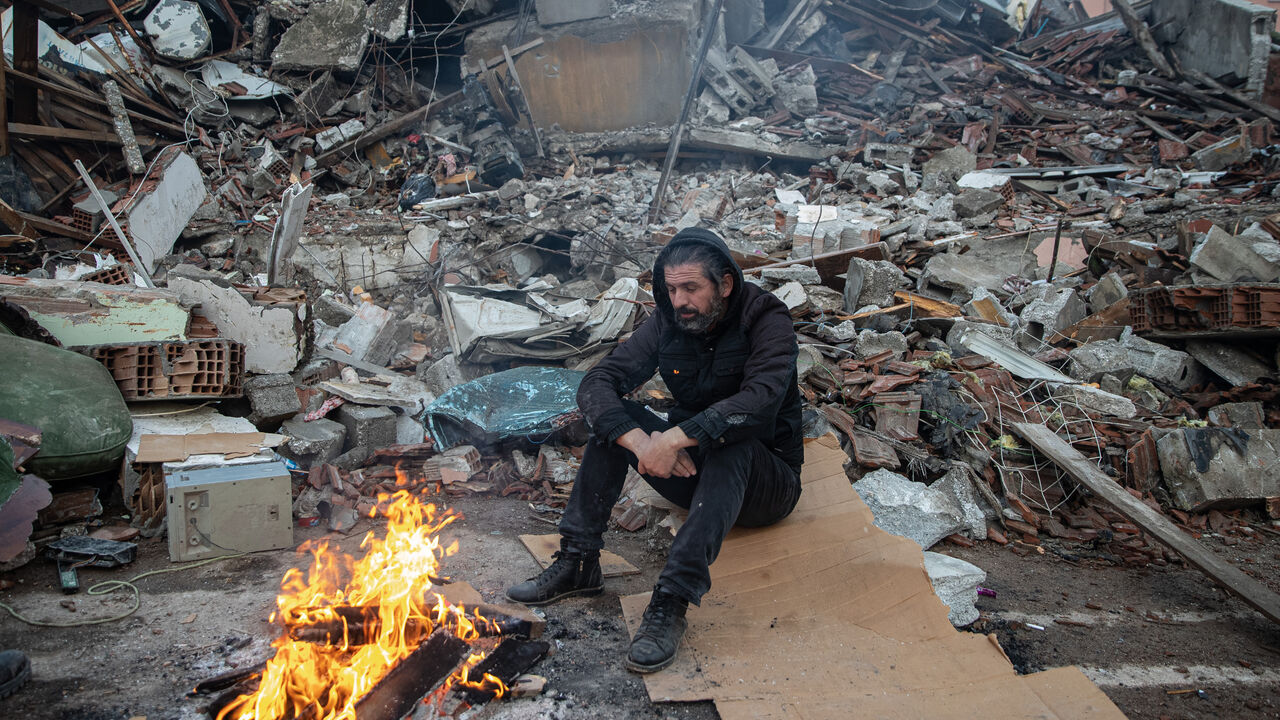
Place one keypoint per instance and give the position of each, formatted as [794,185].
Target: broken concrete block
[975,202]
[1206,468]
[271,336]
[872,343]
[1231,363]
[794,297]
[339,134]
[370,427]
[1133,354]
[389,18]
[1222,155]
[1056,310]
[372,335]
[888,154]
[910,509]
[882,184]
[1232,259]
[178,29]
[803,274]
[273,399]
[158,217]
[1095,401]
[710,109]
[1242,415]
[556,12]
[331,36]
[958,485]
[1108,291]
[797,92]
[871,282]
[955,582]
[952,163]
[441,375]
[984,304]
[312,443]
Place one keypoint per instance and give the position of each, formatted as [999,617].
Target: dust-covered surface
[1141,634]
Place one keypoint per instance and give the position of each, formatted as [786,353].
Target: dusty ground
[1153,631]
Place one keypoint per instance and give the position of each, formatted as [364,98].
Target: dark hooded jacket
[737,383]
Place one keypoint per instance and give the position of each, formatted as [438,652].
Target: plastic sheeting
[522,401]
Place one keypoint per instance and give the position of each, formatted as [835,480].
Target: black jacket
[737,383]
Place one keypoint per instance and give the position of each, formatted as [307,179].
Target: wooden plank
[1142,33]
[928,307]
[15,222]
[831,264]
[54,133]
[1085,472]
[412,678]
[66,89]
[25,31]
[4,108]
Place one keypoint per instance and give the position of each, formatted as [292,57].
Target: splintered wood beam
[507,662]
[25,31]
[412,678]
[1085,472]
[1142,34]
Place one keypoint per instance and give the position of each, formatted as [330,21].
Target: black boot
[655,644]
[574,572]
[15,670]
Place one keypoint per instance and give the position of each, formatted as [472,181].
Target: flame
[387,594]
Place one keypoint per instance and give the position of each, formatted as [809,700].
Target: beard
[700,323]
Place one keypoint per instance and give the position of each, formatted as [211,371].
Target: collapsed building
[1031,255]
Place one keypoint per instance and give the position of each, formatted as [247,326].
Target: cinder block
[312,443]
[370,427]
[272,398]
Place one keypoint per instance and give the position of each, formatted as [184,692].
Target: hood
[695,236]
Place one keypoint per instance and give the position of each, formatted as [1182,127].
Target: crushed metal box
[226,510]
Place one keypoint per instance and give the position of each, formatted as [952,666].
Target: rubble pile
[976,221]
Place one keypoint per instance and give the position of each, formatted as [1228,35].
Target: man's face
[697,301]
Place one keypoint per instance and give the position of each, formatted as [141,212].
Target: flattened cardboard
[176,448]
[542,547]
[825,615]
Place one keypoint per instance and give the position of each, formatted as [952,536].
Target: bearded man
[730,451]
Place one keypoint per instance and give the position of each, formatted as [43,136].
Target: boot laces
[662,608]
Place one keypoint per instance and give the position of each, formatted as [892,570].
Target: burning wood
[369,638]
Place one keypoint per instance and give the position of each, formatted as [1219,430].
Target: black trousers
[739,483]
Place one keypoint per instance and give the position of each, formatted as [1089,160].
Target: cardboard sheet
[175,448]
[542,547]
[825,615]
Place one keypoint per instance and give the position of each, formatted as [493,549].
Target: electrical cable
[107,587]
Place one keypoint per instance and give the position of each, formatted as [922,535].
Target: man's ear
[726,285]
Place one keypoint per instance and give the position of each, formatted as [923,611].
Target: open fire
[347,622]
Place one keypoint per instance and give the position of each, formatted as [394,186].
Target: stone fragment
[958,486]
[794,297]
[372,335]
[368,426]
[1205,468]
[972,203]
[803,274]
[1096,401]
[872,343]
[1243,415]
[312,443]
[797,91]
[955,582]
[910,509]
[1108,291]
[1222,155]
[871,282]
[1056,310]
[1133,354]
[951,163]
[273,399]
[1231,363]
[331,36]
[1233,259]
[159,215]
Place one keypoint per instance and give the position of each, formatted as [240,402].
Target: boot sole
[585,592]
[16,682]
[636,667]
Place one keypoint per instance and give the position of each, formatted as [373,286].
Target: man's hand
[661,454]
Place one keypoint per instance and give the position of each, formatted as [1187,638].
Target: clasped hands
[661,454]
